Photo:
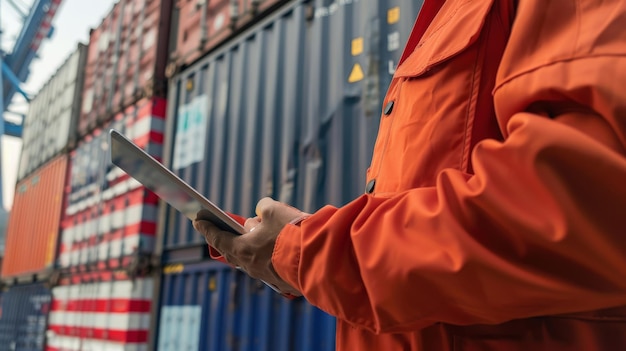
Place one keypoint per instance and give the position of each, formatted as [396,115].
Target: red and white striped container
[110,217]
[100,311]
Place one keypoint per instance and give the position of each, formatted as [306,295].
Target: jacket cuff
[286,255]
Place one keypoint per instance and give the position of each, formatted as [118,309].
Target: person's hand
[252,251]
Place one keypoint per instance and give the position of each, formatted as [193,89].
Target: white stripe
[68,343]
[104,225]
[143,243]
[67,235]
[134,184]
[107,194]
[103,251]
[64,343]
[56,318]
[74,257]
[61,292]
[79,228]
[114,174]
[103,289]
[117,220]
[103,320]
[118,189]
[115,248]
[140,128]
[64,259]
[141,212]
[138,289]
[97,345]
[133,214]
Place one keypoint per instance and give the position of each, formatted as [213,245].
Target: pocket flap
[454,28]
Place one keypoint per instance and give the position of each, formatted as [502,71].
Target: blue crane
[37,26]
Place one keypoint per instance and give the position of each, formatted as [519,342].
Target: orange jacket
[496,213]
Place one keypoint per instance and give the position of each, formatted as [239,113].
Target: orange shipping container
[34,223]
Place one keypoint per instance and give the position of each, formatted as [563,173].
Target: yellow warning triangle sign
[356,74]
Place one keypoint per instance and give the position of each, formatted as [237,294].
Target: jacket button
[369,188]
[388,108]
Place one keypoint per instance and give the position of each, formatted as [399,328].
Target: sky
[71,26]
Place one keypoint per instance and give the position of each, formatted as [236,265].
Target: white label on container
[191,131]
[393,41]
[180,328]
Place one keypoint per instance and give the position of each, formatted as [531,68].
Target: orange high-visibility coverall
[496,212]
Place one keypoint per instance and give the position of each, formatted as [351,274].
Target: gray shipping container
[288,109]
[50,124]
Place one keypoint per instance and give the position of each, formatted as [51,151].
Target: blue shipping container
[209,306]
[25,311]
[288,109]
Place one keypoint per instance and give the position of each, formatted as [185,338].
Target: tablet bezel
[165,184]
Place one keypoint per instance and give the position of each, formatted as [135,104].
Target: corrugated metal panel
[209,306]
[290,109]
[126,60]
[50,125]
[24,314]
[100,311]
[35,220]
[110,218]
[203,24]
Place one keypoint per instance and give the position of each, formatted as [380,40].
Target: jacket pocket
[457,26]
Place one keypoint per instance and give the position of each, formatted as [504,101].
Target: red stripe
[156,137]
[159,107]
[123,336]
[153,136]
[93,277]
[102,305]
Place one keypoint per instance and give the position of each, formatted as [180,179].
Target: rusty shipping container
[288,109]
[126,60]
[110,219]
[203,24]
[50,124]
[106,310]
[34,223]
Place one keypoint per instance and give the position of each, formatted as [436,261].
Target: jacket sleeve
[539,229]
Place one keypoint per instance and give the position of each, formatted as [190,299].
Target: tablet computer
[165,184]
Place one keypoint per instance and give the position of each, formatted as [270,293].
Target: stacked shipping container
[49,132]
[50,124]
[110,219]
[100,311]
[103,300]
[271,98]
